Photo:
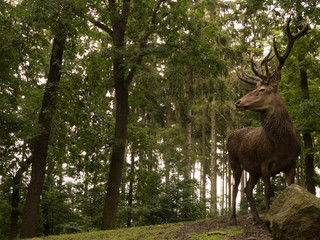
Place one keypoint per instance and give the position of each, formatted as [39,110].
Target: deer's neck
[277,122]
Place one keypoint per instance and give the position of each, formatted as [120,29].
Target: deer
[274,147]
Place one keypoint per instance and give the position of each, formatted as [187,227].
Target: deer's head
[265,95]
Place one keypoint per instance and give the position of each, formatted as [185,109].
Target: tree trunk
[213,161]
[130,195]
[117,157]
[222,189]
[122,110]
[203,153]
[310,183]
[166,153]
[40,145]
[229,187]
[188,166]
[15,199]
[243,182]
[119,14]
[14,207]
[188,156]
[309,157]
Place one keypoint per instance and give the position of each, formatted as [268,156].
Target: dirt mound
[250,231]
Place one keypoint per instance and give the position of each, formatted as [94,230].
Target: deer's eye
[262,89]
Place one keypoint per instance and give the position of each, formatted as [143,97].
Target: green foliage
[189,60]
[244,206]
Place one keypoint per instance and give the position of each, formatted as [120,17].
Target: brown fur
[264,151]
[274,147]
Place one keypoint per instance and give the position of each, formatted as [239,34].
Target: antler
[257,67]
[291,40]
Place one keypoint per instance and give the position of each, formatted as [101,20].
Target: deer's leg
[237,176]
[290,173]
[267,190]
[249,188]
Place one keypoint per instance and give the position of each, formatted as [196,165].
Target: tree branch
[103,27]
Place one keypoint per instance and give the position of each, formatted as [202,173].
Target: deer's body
[269,149]
[266,156]
[264,152]
[273,148]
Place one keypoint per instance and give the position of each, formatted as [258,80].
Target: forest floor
[219,228]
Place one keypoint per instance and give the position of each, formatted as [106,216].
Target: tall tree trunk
[119,14]
[309,156]
[14,207]
[166,155]
[226,194]
[130,195]
[188,167]
[203,153]
[243,182]
[213,161]
[222,189]
[15,199]
[307,138]
[40,145]
[119,22]
[117,157]
[309,166]
[229,187]
[188,157]
[225,157]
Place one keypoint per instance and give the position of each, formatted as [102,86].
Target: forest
[116,113]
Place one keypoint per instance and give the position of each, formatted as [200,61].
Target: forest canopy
[117,113]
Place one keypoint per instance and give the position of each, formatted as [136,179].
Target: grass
[222,234]
[157,232]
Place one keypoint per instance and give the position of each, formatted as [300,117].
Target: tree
[40,144]
[304,62]
[60,28]
[213,160]
[159,64]
[122,21]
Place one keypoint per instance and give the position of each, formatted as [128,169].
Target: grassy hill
[217,228]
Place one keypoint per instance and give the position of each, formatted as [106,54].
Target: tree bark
[188,156]
[213,161]
[309,156]
[130,195]
[203,153]
[117,157]
[243,182]
[15,199]
[119,15]
[222,189]
[229,187]
[310,183]
[119,22]
[40,144]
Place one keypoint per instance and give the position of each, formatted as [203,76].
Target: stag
[273,148]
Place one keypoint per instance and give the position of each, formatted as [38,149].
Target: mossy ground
[213,229]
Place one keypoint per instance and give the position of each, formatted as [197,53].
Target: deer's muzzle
[238,105]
